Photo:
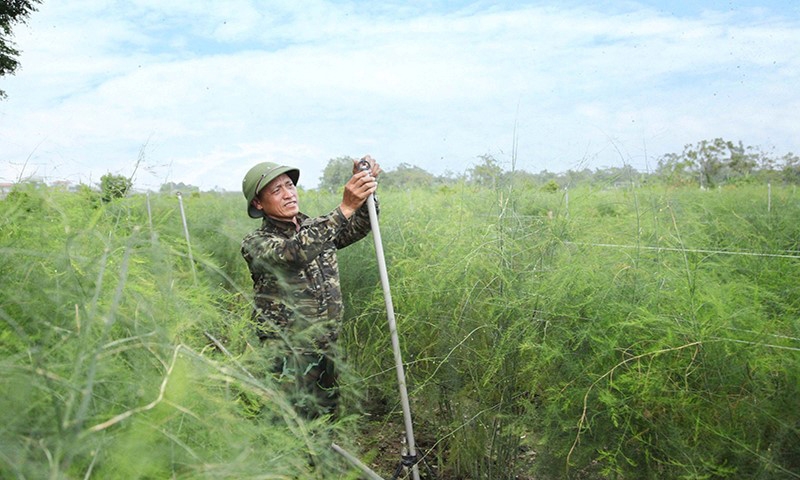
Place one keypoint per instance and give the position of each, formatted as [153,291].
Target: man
[292,261]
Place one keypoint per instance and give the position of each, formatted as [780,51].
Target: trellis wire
[687,250]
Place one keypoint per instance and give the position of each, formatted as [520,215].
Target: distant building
[65,185]
[5,189]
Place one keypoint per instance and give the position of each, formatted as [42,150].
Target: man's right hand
[356,191]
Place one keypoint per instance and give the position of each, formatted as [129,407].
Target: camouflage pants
[310,381]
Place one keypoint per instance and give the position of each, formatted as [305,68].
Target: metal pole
[769,197]
[186,232]
[150,220]
[398,359]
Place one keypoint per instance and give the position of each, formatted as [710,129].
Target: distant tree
[708,158]
[545,176]
[717,161]
[741,161]
[790,170]
[114,186]
[91,197]
[170,187]
[11,12]
[487,173]
[524,179]
[551,187]
[614,176]
[577,177]
[673,169]
[764,161]
[336,174]
[405,176]
[450,176]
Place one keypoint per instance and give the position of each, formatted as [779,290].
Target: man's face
[278,199]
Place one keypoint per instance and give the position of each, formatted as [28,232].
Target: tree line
[705,164]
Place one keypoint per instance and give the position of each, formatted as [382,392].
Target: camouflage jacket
[296,276]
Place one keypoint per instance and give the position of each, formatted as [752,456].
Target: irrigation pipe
[398,358]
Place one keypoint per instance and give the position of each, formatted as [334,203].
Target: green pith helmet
[258,177]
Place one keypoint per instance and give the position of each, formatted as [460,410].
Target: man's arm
[357,227]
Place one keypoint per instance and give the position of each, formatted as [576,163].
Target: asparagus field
[625,333]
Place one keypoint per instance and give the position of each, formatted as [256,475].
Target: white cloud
[210,89]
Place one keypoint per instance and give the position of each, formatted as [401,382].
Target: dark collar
[275,224]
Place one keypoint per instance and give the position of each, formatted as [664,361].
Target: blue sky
[200,91]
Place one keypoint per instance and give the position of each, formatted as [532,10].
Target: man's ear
[257,204]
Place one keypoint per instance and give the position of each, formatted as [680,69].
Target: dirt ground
[381,444]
